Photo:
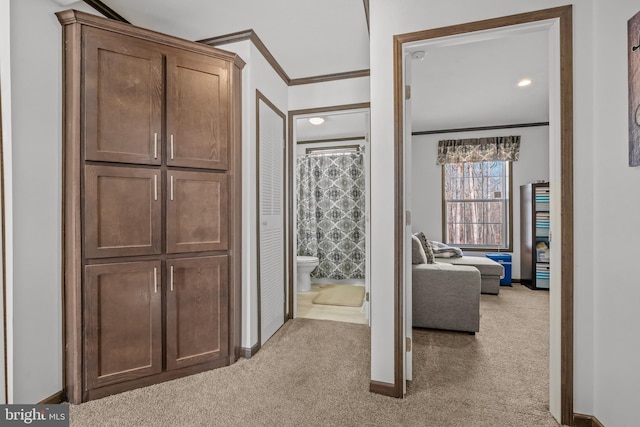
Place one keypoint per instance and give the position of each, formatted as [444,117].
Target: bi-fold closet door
[271,206]
[155,209]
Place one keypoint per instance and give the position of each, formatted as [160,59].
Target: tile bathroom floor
[308,310]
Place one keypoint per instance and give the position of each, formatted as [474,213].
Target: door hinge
[366,297]
[408,218]
[407,92]
[408,344]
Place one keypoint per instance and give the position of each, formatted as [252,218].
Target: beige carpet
[344,295]
[316,373]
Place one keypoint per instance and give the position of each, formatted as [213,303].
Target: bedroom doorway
[558,24]
[328,226]
[4,390]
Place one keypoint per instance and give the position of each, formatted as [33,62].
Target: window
[476,205]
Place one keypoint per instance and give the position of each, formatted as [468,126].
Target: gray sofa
[490,271]
[446,296]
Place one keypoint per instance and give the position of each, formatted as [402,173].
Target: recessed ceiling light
[316,120]
[524,82]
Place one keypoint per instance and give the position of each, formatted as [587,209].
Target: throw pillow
[426,246]
[417,253]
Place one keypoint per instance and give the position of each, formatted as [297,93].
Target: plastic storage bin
[505,260]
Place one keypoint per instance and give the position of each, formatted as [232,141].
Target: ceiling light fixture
[316,120]
[524,82]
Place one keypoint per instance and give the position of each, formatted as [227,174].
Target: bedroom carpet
[316,373]
[344,295]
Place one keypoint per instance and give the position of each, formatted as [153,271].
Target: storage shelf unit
[535,267]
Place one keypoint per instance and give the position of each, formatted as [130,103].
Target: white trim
[555,175]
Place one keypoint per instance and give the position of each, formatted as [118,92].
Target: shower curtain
[331,207]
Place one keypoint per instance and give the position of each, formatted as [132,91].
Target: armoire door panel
[197,310]
[123,99]
[123,322]
[197,112]
[197,212]
[123,211]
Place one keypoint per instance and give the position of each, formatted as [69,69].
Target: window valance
[499,148]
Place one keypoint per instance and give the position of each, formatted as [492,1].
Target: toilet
[305,265]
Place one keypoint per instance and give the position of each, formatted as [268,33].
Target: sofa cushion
[426,246]
[417,253]
[486,266]
[446,296]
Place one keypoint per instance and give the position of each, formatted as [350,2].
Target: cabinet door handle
[155,280]
[155,187]
[171,281]
[171,147]
[155,145]
[171,187]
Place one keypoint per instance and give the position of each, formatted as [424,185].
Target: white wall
[617,203]
[257,75]
[389,18]
[36,141]
[426,203]
[328,94]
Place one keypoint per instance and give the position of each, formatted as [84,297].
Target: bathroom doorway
[329,206]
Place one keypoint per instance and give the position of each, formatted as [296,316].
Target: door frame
[291,148]
[563,15]
[261,97]
[3,342]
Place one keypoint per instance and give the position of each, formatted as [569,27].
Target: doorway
[340,137]
[4,390]
[559,23]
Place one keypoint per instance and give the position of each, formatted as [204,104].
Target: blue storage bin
[505,260]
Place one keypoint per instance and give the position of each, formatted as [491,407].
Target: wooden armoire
[152,206]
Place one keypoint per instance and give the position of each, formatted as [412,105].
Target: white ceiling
[457,84]
[307,37]
[339,125]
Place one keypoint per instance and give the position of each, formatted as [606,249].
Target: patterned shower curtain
[331,205]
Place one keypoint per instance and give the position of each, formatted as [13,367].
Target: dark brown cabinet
[124,92]
[197,116]
[197,216]
[123,314]
[123,211]
[151,207]
[196,310]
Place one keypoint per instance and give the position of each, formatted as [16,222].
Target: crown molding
[479,128]
[366,14]
[253,37]
[106,10]
[329,77]
[344,139]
